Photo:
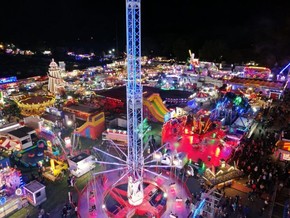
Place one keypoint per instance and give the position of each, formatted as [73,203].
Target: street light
[69,122]
[157,156]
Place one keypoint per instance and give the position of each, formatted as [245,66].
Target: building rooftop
[50,117]
[21,132]
[9,126]
[79,157]
[27,129]
[83,108]
[34,186]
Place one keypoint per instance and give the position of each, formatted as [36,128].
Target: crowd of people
[265,172]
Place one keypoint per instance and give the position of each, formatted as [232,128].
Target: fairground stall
[255,72]
[81,164]
[35,193]
[270,89]
[224,173]
[283,146]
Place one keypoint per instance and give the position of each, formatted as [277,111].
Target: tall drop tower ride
[130,171]
[134,103]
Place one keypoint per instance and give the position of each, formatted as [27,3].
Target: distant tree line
[263,43]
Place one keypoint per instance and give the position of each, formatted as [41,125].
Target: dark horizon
[258,29]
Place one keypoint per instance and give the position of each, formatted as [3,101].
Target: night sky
[186,24]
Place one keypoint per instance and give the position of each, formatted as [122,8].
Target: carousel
[35,104]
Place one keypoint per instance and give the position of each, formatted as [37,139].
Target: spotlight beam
[109,155]
[112,163]
[156,174]
[159,166]
[116,146]
[108,171]
[151,161]
[120,179]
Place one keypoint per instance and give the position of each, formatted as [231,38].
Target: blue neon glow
[198,209]
[285,68]
[6,80]
[3,200]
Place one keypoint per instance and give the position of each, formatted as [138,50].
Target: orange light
[286,146]
[257,68]
[217,151]
[191,139]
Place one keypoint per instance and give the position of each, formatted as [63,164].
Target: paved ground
[254,205]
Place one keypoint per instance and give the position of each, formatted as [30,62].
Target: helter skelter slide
[154,108]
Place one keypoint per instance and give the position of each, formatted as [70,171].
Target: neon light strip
[200,206]
[258,68]
[285,67]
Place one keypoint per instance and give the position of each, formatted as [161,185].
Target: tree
[213,50]
[181,46]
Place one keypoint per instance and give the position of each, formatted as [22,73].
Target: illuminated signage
[8,80]
[286,156]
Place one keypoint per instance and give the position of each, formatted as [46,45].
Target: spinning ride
[31,105]
[199,137]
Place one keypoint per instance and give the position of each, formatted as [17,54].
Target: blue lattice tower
[135,159]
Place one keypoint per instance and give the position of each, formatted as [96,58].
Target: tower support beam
[134,103]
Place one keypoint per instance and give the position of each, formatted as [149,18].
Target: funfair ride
[135,158]
[134,164]
[125,188]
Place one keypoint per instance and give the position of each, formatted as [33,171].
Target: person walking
[76,210]
[64,211]
[187,202]
[262,210]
